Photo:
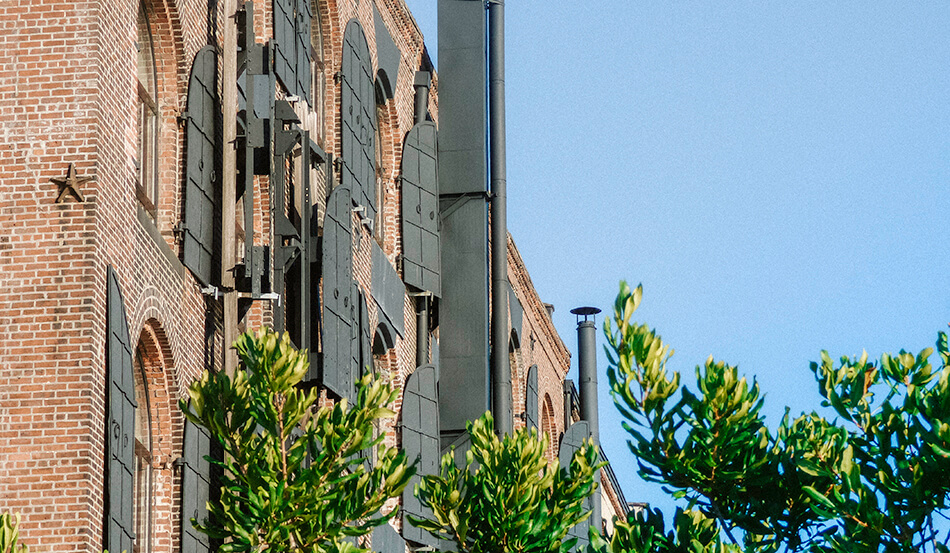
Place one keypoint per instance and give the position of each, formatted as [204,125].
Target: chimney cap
[585,311]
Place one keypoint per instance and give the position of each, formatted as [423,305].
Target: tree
[507,497]
[294,477]
[874,479]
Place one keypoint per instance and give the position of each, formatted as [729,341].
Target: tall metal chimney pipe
[421,84]
[500,369]
[587,374]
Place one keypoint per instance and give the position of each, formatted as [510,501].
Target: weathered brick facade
[68,96]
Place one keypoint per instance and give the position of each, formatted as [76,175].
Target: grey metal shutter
[358,115]
[387,540]
[285,44]
[572,440]
[531,398]
[195,488]
[420,209]
[302,35]
[388,290]
[202,177]
[356,298]
[337,293]
[420,440]
[120,429]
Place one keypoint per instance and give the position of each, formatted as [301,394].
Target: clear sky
[776,174]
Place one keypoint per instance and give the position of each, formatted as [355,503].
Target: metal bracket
[459,200]
[212,291]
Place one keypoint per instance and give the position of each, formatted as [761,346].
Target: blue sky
[776,174]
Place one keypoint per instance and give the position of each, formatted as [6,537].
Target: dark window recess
[338,320]
[200,247]
[291,46]
[571,441]
[420,440]
[120,422]
[531,398]
[420,209]
[358,115]
[197,488]
[366,339]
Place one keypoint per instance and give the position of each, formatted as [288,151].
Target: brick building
[129,256]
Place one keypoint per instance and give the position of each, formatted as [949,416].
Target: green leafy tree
[877,478]
[294,477]
[507,497]
[10,534]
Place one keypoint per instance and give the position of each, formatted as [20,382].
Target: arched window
[549,427]
[146,162]
[381,169]
[142,495]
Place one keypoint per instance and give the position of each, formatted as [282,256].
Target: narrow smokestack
[500,369]
[587,374]
[421,84]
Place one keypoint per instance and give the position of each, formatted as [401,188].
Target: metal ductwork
[421,85]
[587,374]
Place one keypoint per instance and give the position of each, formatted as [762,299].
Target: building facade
[173,172]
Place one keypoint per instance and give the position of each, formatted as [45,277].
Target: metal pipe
[587,374]
[421,84]
[500,369]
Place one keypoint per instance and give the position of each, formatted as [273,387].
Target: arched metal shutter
[358,115]
[420,209]
[338,320]
[202,177]
[420,440]
[572,441]
[120,429]
[285,43]
[531,399]
[303,51]
[195,488]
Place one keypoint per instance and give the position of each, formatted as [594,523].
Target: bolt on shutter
[531,398]
[572,441]
[302,37]
[337,293]
[202,177]
[420,440]
[420,209]
[358,105]
[120,419]
[285,44]
[195,488]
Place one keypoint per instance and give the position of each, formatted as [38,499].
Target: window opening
[317,68]
[142,495]
[146,162]
[378,224]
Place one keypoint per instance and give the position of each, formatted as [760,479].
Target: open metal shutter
[195,488]
[358,105]
[387,540]
[302,36]
[201,177]
[420,209]
[572,441]
[285,44]
[531,399]
[337,293]
[120,429]
[420,440]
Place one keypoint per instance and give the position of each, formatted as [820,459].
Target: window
[142,495]
[316,73]
[379,223]
[146,162]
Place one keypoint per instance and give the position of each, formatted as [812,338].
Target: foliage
[645,532]
[294,478]
[10,534]
[507,497]
[876,479]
